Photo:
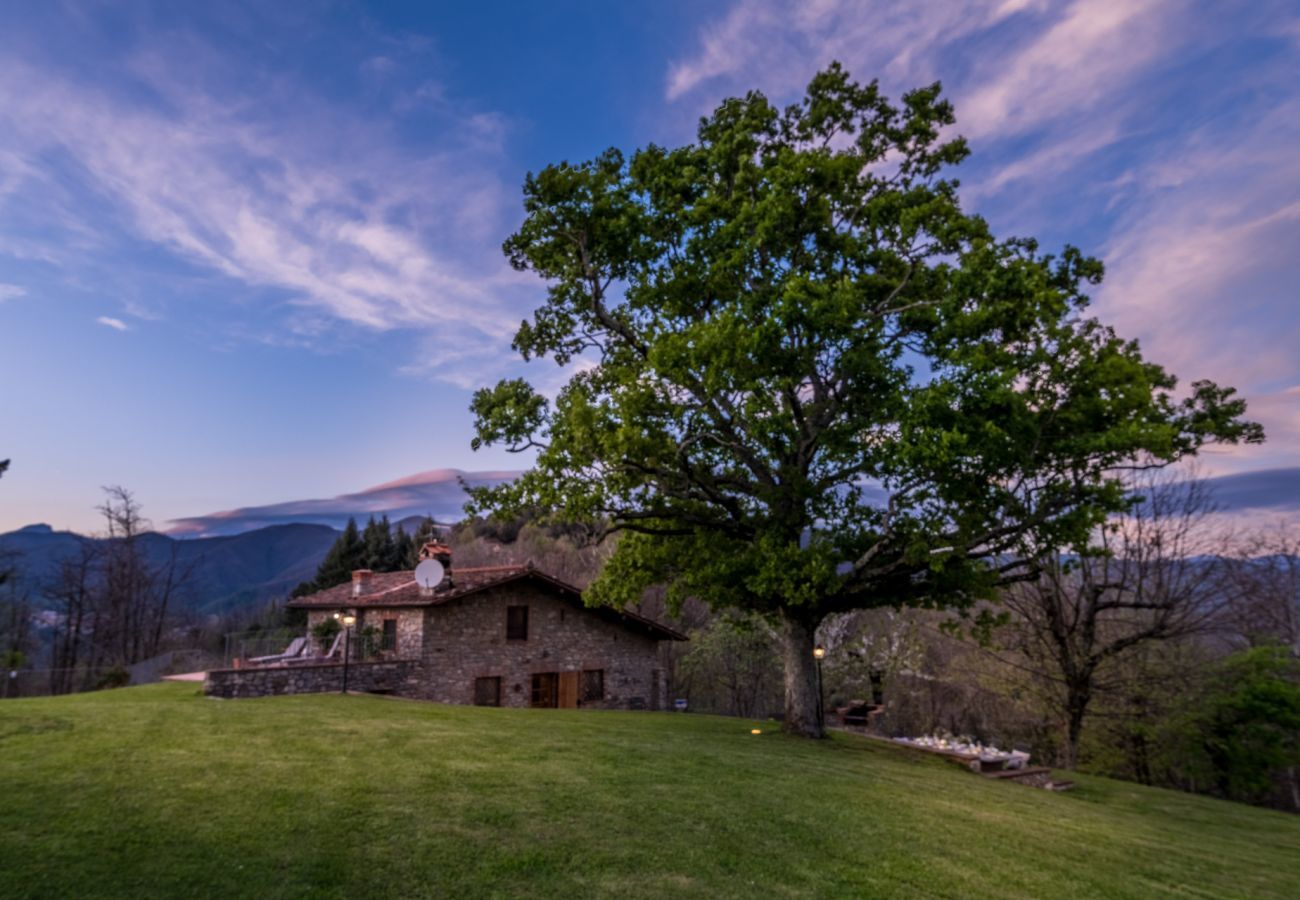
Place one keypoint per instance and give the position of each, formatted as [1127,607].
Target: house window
[487,691]
[516,623]
[390,635]
[593,685]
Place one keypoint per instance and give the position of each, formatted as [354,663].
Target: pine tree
[347,555]
[404,549]
[428,531]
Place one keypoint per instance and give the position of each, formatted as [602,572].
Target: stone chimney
[361,581]
[442,553]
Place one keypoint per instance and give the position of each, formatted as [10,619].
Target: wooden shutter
[568,690]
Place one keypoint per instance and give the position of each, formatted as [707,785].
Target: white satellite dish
[428,574]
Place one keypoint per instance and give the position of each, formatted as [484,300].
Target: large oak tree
[813,383]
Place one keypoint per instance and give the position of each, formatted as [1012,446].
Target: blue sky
[250,253]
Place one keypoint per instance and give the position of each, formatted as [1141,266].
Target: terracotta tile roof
[389,589]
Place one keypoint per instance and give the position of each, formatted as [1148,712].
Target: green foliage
[353,796]
[790,311]
[427,531]
[369,639]
[116,677]
[291,617]
[380,548]
[732,667]
[325,631]
[404,550]
[375,547]
[1243,729]
[346,555]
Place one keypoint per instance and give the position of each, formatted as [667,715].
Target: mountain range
[248,556]
[253,554]
[228,571]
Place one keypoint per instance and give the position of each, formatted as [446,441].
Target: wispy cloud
[308,199]
[777,47]
[11,292]
[115,324]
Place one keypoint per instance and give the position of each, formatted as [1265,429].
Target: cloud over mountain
[436,493]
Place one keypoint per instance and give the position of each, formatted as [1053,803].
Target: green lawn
[158,792]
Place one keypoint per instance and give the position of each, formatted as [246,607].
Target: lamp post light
[819,653]
[348,621]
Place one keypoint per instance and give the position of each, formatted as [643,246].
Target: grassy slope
[156,791]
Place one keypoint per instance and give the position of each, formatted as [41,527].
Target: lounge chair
[293,651]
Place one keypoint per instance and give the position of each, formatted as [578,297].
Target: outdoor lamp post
[348,621]
[819,653]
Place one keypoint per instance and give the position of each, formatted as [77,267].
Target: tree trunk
[802,704]
[1076,707]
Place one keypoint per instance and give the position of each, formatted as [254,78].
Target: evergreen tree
[428,531]
[347,555]
[381,550]
[404,549]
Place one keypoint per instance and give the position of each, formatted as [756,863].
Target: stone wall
[410,628]
[465,639]
[392,676]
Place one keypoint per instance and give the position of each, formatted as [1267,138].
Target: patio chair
[293,651]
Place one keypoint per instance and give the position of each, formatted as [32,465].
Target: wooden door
[544,694]
[568,690]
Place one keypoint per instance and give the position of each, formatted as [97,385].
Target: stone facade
[456,647]
[466,640]
[391,676]
[410,628]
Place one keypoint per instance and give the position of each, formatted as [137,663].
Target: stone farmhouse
[497,636]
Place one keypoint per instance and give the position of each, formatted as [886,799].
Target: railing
[244,645]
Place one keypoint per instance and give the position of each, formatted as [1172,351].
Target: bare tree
[74,590]
[137,592]
[1263,578]
[1150,575]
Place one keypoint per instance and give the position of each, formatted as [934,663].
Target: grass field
[158,792]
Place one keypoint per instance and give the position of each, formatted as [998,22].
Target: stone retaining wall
[387,676]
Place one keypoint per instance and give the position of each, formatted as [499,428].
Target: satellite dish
[428,574]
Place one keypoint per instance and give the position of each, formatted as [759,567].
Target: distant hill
[437,493]
[230,571]
[247,556]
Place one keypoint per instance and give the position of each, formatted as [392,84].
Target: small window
[487,691]
[593,685]
[516,623]
[390,635]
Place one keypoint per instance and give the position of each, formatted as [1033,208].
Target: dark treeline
[378,547]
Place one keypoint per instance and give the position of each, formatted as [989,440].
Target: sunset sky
[251,253]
